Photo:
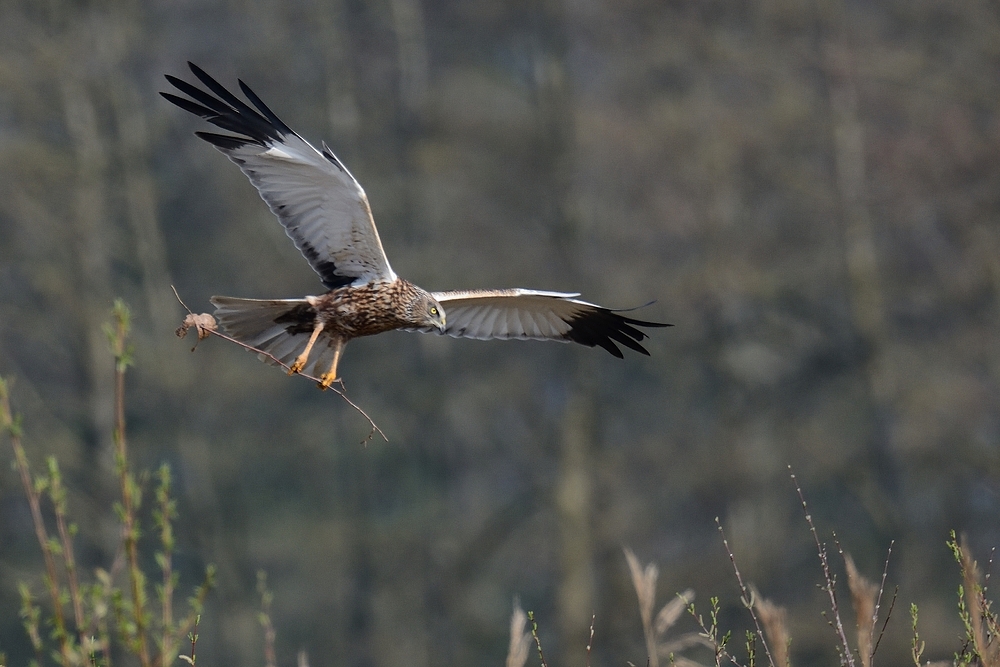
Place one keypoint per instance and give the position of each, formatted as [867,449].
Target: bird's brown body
[352,312]
[358,310]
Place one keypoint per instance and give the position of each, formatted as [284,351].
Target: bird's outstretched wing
[323,209]
[523,313]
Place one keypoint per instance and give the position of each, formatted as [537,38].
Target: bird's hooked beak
[441,320]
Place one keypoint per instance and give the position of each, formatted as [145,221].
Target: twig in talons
[206,326]
[203,323]
[324,387]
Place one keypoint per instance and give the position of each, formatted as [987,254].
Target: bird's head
[427,312]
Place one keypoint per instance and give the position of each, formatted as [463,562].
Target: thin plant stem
[538,642]
[118,334]
[58,494]
[193,636]
[164,517]
[12,425]
[266,597]
[102,590]
[748,601]
[878,602]
[846,657]
[590,640]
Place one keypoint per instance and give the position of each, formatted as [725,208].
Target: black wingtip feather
[602,327]
[225,141]
[188,105]
[216,87]
[225,110]
[263,108]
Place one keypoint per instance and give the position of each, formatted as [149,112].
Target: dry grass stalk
[672,611]
[774,619]
[863,595]
[520,641]
[644,580]
[654,629]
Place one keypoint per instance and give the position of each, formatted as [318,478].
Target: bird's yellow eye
[434,310]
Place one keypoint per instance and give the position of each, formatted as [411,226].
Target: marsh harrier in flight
[326,213]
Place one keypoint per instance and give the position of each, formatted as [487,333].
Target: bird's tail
[279,327]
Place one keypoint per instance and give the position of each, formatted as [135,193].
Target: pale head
[426,312]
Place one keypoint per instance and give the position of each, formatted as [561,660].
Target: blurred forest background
[810,191]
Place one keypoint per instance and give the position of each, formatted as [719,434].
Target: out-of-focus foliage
[809,190]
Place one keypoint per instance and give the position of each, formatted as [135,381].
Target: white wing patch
[276,152]
[323,209]
[525,313]
[510,313]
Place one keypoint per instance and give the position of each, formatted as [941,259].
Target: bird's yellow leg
[330,376]
[300,362]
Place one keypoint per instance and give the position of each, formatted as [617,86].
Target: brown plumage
[326,213]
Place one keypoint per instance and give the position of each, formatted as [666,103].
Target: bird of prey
[326,213]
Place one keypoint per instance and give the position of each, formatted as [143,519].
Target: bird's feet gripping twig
[328,378]
[300,361]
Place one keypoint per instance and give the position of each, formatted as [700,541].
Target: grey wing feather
[322,207]
[538,315]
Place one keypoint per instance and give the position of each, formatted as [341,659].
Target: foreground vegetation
[99,617]
[107,616]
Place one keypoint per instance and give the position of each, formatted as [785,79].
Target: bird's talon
[297,366]
[326,380]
